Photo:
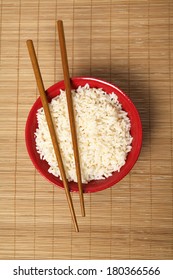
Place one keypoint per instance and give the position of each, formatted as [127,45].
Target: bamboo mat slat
[125,42]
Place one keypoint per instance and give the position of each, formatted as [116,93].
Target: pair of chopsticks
[44,101]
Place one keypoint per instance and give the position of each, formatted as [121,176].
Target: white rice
[103,131]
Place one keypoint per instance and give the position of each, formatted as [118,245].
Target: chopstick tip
[76,227]
[29,42]
[83,211]
[59,23]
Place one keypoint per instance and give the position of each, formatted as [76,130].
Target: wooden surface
[129,43]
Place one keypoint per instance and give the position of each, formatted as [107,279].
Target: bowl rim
[121,174]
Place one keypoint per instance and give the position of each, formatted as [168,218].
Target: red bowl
[136,132]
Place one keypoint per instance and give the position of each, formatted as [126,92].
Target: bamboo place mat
[129,43]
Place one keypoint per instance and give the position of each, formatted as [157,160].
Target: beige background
[129,43]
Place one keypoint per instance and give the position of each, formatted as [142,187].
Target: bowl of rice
[109,134]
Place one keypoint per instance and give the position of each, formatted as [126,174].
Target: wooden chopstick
[43,97]
[70,110]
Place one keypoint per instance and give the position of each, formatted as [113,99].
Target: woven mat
[128,43]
